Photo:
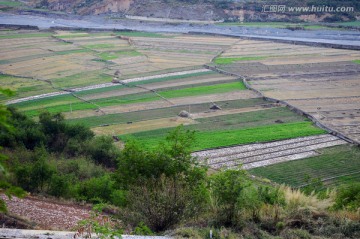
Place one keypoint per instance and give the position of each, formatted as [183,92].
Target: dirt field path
[47,215]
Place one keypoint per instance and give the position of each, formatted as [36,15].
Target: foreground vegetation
[164,189]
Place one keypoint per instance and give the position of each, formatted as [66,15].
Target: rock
[215,107]
[117,73]
[184,114]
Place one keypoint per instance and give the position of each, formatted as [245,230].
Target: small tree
[165,185]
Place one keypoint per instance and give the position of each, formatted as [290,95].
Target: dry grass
[295,199]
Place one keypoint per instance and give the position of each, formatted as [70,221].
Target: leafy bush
[34,176]
[97,188]
[102,150]
[226,188]
[59,186]
[348,198]
[142,229]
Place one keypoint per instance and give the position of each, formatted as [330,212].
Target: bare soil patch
[47,215]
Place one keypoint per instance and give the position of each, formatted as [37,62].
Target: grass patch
[222,138]
[99,46]
[332,162]
[107,56]
[357,61]
[22,35]
[10,3]
[168,78]
[230,60]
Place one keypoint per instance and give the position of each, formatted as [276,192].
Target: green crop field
[202,90]
[333,162]
[222,138]
[230,60]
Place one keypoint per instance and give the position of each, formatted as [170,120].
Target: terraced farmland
[142,85]
[319,81]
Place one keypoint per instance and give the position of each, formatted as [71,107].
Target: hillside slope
[228,10]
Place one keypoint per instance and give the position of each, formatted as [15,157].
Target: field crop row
[333,162]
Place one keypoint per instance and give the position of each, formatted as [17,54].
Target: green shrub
[226,189]
[97,188]
[348,198]
[102,150]
[119,198]
[59,186]
[34,176]
[142,229]
[80,168]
